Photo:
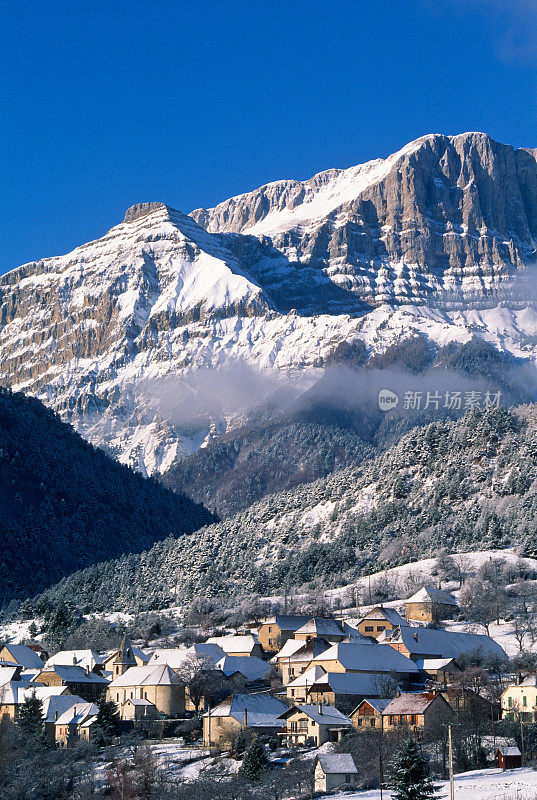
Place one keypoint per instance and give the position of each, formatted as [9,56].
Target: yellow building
[315,723]
[157,683]
[519,701]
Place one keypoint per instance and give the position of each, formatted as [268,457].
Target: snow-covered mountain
[116,334]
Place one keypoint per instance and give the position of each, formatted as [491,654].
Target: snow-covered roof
[287,622]
[429,594]
[150,675]
[433,663]
[301,650]
[440,643]
[8,674]
[175,657]
[368,657]
[78,714]
[389,614]
[529,680]
[251,667]
[324,715]
[235,644]
[73,674]
[411,703]
[56,705]
[358,683]
[262,710]
[337,764]
[139,701]
[308,678]
[509,751]
[321,627]
[79,658]
[24,655]
[136,651]
[378,703]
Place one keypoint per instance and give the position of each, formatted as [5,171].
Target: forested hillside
[64,504]
[452,484]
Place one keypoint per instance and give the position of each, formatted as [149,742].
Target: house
[54,705]
[419,711]
[440,670]
[238,645]
[13,693]
[275,631]
[297,690]
[421,643]
[430,605]
[256,713]
[313,723]
[76,723]
[127,655]
[344,689]
[331,630]
[508,757]
[138,710]
[157,683]
[296,656]
[368,713]
[367,657]
[378,620]
[21,654]
[519,700]
[333,770]
[249,668]
[77,679]
[87,659]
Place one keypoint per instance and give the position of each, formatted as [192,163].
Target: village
[344,692]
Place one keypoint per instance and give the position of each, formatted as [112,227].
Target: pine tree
[409,778]
[31,719]
[240,745]
[107,721]
[255,761]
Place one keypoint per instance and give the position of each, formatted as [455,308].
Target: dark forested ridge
[461,484]
[65,504]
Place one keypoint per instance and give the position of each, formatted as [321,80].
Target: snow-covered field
[485,784]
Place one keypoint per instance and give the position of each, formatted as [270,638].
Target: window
[390,719]
[358,721]
[524,700]
[412,719]
[369,628]
[292,692]
[270,628]
[381,627]
[509,701]
[372,722]
[347,778]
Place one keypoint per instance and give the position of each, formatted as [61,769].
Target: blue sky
[108,104]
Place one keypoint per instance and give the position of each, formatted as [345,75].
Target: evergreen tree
[409,778]
[31,719]
[107,722]
[255,761]
[240,745]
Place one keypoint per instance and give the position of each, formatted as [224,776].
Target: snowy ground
[485,784]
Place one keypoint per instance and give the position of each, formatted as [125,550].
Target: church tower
[124,658]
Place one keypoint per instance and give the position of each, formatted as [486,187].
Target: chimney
[416,636]
[87,670]
[74,661]
[320,708]
[55,716]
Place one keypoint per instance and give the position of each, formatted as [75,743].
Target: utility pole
[381,770]
[450,753]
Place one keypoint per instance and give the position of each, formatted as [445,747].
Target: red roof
[410,703]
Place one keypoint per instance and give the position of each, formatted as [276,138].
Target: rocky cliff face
[428,240]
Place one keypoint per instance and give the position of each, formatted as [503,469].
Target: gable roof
[413,703]
[368,657]
[25,656]
[78,658]
[322,714]
[389,614]
[342,683]
[301,650]
[175,656]
[73,674]
[57,704]
[235,644]
[150,675]
[78,714]
[287,622]
[378,703]
[309,677]
[262,710]
[511,750]
[429,594]
[434,663]
[253,668]
[337,763]
[318,626]
[440,643]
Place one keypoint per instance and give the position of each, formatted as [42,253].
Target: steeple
[124,657]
